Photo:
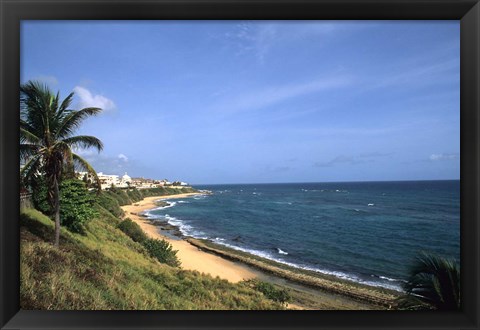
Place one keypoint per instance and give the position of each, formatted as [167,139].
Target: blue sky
[259,101]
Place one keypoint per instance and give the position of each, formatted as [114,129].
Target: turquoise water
[365,231]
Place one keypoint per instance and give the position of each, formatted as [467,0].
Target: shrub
[132,230]
[270,291]
[162,251]
[119,195]
[110,204]
[39,196]
[76,203]
[135,195]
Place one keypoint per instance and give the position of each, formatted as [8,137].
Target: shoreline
[191,257]
[233,265]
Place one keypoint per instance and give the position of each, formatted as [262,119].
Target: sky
[210,102]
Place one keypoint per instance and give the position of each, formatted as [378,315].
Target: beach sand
[191,257]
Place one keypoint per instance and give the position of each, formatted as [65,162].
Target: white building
[107,180]
[125,182]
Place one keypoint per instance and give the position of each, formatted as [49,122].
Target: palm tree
[434,283]
[46,140]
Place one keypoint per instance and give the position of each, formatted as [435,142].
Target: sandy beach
[191,257]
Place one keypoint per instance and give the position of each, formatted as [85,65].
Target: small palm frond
[30,169]
[434,283]
[84,141]
[28,150]
[27,136]
[83,164]
[63,108]
[72,121]
[66,102]
[36,96]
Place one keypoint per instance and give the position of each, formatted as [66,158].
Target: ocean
[368,232]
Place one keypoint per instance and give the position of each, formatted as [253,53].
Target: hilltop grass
[104,269]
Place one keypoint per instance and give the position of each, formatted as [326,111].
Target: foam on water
[185,229]
[342,275]
[149,213]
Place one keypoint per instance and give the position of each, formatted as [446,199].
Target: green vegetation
[158,249]
[47,126]
[270,291]
[76,203]
[162,251]
[105,269]
[132,230]
[160,191]
[110,203]
[434,283]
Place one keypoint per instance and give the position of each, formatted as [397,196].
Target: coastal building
[126,181]
[142,183]
[107,180]
[165,182]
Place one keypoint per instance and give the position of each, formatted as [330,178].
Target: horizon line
[308,182]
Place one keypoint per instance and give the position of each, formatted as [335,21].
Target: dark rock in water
[161,203]
[237,239]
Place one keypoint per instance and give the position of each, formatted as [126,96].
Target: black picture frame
[13,11]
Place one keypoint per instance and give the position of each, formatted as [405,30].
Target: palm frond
[28,150]
[35,96]
[83,164]
[63,110]
[434,283]
[73,120]
[31,167]
[27,136]
[32,131]
[31,106]
[66,102]
[83,142]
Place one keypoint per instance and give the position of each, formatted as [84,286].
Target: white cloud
[439,157]
[87,99]
[123,157]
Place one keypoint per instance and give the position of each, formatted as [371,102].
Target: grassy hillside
[104,269]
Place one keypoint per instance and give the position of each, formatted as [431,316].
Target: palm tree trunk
[56,199]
